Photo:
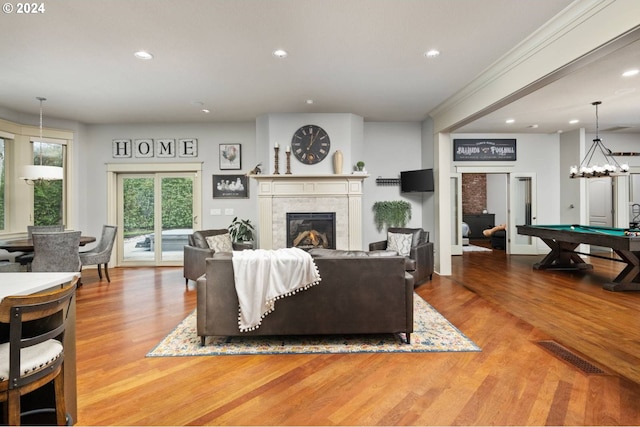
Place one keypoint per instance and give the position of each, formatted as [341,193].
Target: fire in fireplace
[308,230]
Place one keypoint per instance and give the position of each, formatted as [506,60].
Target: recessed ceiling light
[143,54]
[574,121]
[533,126]
[280,53]
[432,53]
[309,101]
[630,73]
[509,121]
[206,111]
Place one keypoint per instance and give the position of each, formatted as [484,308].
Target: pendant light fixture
[40,172]
[589,168]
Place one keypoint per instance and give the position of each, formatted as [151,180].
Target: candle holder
[288,153]
[276,161]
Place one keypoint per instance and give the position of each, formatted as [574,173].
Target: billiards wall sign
[484,150]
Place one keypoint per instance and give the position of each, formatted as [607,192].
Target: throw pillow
[400,243]
[220,243]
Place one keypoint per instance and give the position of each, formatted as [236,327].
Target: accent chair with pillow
[414,245]
[202,245]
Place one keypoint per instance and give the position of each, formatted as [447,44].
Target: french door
[455,187]
[156,212]
[522,211]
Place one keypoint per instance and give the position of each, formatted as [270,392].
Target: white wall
[96,152]
[389,149]
[386,148]
[536,153]
[344,130]
[572,205]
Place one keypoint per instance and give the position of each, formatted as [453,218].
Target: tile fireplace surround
[282,194]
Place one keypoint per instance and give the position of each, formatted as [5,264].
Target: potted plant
[360,165]
[241,230]
[394,213]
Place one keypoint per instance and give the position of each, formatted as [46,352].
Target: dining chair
[28,361]
[27,258]
[56,251]
[7,266]
[101,254]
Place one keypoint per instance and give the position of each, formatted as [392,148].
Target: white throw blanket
[263,276]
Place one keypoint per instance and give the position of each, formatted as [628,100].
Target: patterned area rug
[432,333]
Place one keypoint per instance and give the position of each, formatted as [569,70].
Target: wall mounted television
[416,181]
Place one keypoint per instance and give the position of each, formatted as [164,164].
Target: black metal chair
[34,356]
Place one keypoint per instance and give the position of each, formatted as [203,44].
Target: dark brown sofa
[420,260]
[198,250]
[357,295]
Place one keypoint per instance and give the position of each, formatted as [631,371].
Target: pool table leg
[628,279]
[562,257]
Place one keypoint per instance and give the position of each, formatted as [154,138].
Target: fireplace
[308,230]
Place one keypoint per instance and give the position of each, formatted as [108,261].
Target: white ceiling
[364,57]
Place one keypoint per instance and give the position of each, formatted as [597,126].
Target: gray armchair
[56,251]
[27,258]
[101,254]
[420,260]
[198,250]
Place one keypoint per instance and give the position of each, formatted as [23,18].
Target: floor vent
[570,357]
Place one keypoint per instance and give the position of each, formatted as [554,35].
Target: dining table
[26,245]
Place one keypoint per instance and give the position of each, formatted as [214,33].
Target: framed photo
[230,186]
[229,156]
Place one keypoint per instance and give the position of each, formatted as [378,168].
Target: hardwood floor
[499,302]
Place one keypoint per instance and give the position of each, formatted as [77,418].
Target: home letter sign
[188,147]
[122,148]
[162,147]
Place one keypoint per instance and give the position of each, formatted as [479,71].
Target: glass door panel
[137,218]
[522,211]
[456,213]
[177,216]
[156,216]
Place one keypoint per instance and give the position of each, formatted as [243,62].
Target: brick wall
[474,193]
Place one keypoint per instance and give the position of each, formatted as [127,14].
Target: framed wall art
[230,186]
[230,156]
[484,150]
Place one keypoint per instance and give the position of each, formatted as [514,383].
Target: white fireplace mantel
[280,194]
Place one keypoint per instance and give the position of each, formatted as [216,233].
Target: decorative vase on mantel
[337,162]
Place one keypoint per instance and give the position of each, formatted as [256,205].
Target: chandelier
[609,165]
[39,173]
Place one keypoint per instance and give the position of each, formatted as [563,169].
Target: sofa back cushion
[321,252]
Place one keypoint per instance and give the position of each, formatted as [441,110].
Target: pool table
[563,239]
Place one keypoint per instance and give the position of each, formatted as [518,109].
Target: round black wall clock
[310,144]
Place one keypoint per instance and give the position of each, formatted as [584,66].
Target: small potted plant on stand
[241,231]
